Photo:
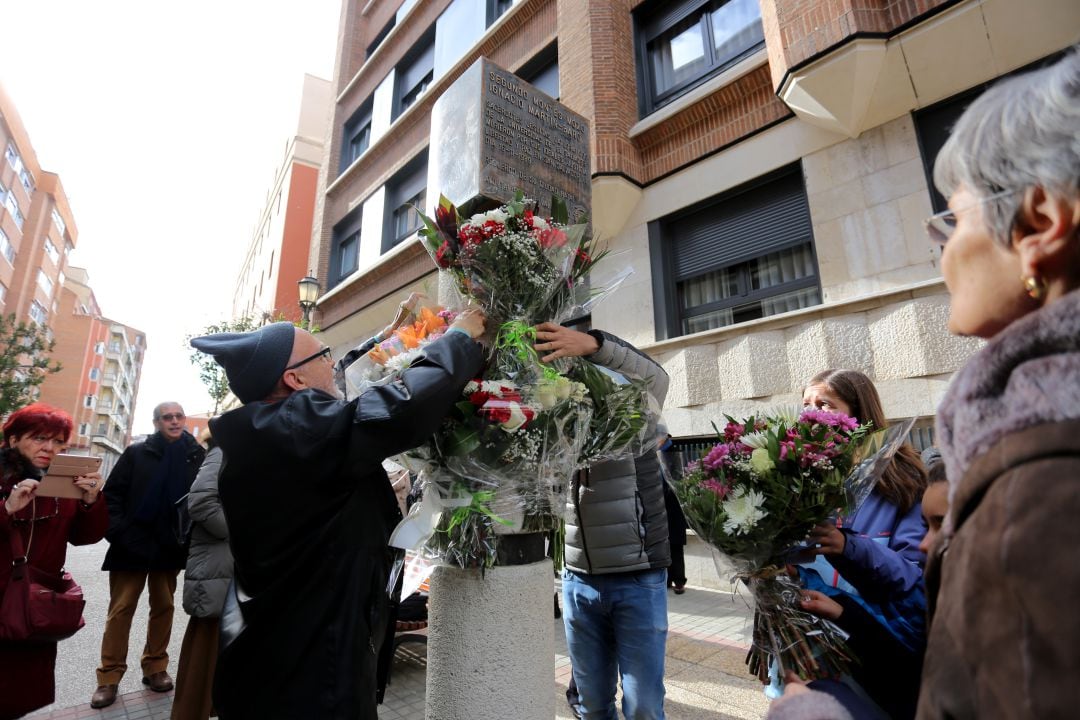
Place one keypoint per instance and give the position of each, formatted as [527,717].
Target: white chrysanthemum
[495,388]
[402,361]
[470,387]
[743,511]
[539,223]
[755,440]
[497,215]
[788,413]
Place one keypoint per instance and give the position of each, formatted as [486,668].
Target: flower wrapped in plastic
[387,359]
[507,451]
[756,494]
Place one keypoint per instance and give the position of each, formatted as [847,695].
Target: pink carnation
[717,456]
[733,431]
[830,419]
[717,488]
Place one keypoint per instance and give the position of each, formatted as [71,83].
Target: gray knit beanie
[253,361]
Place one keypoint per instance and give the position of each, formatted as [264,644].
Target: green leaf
[462,441]
[559,213]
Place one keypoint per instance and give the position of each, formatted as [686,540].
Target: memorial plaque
[492,133]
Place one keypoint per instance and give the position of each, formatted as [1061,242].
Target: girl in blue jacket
[872,558]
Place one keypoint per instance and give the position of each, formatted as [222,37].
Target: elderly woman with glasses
[1002,642]
[1002,574]
[40,528]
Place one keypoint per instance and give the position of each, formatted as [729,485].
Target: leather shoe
[104,696]
[159,682]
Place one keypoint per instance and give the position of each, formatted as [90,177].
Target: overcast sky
[166,123]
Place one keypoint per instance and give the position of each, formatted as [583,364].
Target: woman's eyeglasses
[941,226]
[325,351]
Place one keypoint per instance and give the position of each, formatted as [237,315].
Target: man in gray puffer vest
[617,552]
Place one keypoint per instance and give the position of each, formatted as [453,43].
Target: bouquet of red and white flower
[506,453]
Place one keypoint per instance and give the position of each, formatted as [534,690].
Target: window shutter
[761,220]
[668,14]
[415,72]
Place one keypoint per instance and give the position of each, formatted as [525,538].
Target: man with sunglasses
[144,550]
[310,511]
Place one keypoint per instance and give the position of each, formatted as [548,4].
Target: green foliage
[211,374]
[24,362]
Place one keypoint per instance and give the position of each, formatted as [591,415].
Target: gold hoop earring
[1035,286]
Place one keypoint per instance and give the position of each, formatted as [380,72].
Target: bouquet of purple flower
[757,493]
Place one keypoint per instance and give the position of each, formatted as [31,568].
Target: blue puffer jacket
[881,567]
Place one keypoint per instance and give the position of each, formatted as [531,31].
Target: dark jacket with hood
[134,491]
[310,511]
[1004,633]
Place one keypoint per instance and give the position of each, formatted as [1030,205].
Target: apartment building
[37,230]
[277,256]
[101,359]
[102,365]
[762,164]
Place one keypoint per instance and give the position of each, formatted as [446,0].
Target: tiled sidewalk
[705,675]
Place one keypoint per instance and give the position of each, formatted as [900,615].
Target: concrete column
[490,647]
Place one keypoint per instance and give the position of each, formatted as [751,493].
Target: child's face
[935,504]
[822,397]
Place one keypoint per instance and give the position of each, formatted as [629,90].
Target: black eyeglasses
[325,351]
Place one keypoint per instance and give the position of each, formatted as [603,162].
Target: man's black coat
[310,511]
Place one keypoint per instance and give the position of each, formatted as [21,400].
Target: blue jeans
[616,628]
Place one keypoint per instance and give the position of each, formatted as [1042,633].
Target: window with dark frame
[745,255]
[414,74]
[934,124]
[496,9]
[404,193]
[356,136]
[542,70]
[682,44]
[345,251]
[374,45]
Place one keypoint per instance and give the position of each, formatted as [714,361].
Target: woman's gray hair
[1021,133]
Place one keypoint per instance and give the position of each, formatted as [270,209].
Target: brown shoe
[159,682]
[103,697]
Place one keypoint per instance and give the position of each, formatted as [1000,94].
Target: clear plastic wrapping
[423,325]
[503,459]
[757,494]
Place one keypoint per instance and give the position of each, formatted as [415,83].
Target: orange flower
[409,336]
[378,355]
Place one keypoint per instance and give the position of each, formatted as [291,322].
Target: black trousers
[676,572]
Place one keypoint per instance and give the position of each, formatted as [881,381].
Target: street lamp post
[308,290]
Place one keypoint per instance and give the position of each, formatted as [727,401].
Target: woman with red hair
[32,437]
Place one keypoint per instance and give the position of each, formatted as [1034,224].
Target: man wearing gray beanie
[310,511]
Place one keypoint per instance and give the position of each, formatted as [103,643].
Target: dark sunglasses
[172,416]
[325,351]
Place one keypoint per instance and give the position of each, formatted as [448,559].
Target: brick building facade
[277,256]
[37,230]
[762,164]
[102,365]
[101,359]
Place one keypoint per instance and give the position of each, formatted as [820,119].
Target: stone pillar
[491,651]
